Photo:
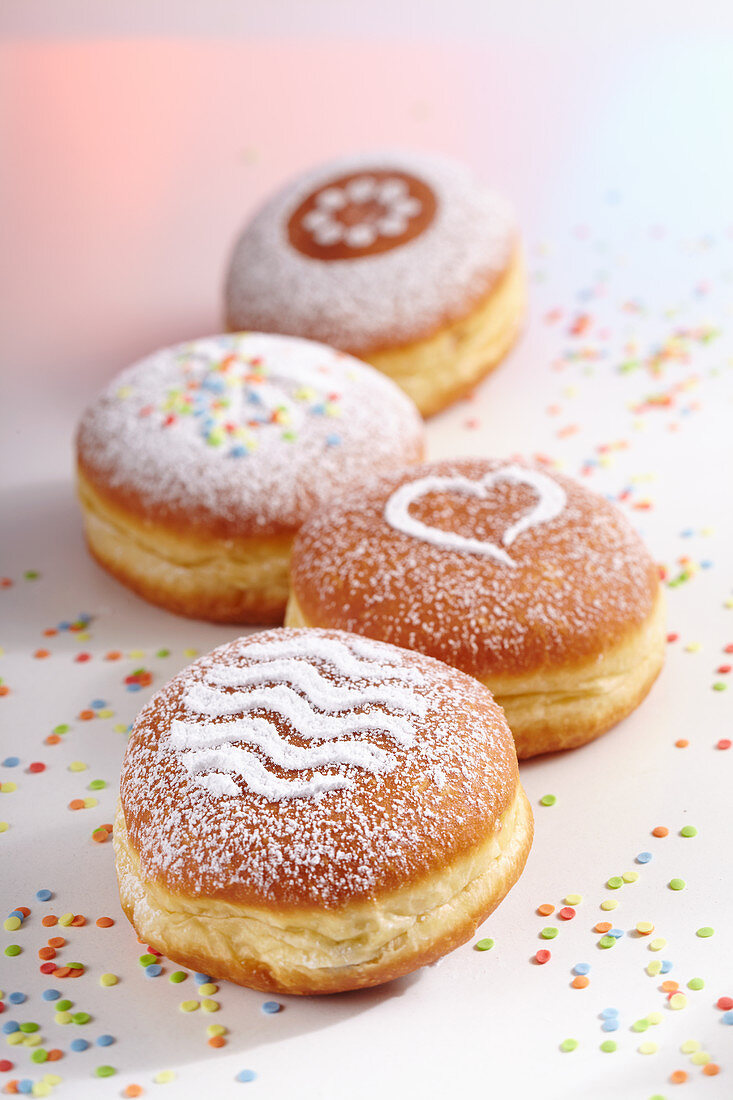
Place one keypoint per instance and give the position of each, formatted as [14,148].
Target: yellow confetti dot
[12,923]
[66,919]
[609,904]
[700,1058]
[32,1040]
[654,968]
[15,1039]
[573,899]
[188,1006]
[83,637]
[4,826]
[654,1018]
[657,943]
[690,1046]
[164,1077]
[77,766]
[678,1000]
[644,927]
[123,392]
[120,727]
[210,1006]
[213,1030]
[8,788]
[108,979]
[630,876]
[90,802]
[208,988]
[106,713]
[63,1017]
[693,647]
[41,1088]
[648,1047]
[190,653]
[136,653]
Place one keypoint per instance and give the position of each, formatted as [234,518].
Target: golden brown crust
[445,794]
[314,952]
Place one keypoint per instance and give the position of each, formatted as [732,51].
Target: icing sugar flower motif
[361,211]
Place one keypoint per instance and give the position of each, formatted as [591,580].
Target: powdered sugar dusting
[245,431]
[287,798]
[372,301]
[581,578]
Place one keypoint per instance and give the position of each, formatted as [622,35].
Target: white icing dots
[551,502]
[375,208]
[283,681]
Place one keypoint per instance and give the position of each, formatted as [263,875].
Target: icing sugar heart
[551,502]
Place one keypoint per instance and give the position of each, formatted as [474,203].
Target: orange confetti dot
[61,972]
[580,982]
[682,743]
[56,941]
[545,910]
[12,1088]
[76,804]
[660,830]
[217,1041]
[678,1077]
[50,632]
[46,953]
[40,653]
[85,715]
[114,655]
[670,987]
[54,1055]
[52,739]
[603,926]
[4,690]
[23,909]
[49,920]
[133,1090]
[104,922]
[75,972]
[711,1069]
[100,836]
[79,921]
[109,828]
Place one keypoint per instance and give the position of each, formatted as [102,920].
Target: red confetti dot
[672,637]
[2,1007]
[724,743]
[36,767]
[543,956]
[566,913]
[728,648]
[5,1065]
[81,657]
[5,582]
[723,669]
[725,1003]
[47,968]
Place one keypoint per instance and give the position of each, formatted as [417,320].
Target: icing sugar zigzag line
[309,723]
[299,674]
[259,780]
[378,660]
[205,735]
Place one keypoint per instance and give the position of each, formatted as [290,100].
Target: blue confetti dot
[617,933]
[26,1085]
[706,564]
[666,966]
[609,1013]
[688,533]
[643,857]
[333,440]
[105,1040]
[98,704]
[271,1007]
[17,913]
[246,1075]
[85,617]
[201,979]
[581,968]
[79,1044]
[10,1027]
[11,761]
[64,625]
[17,998]
[133,687]
[43,895]
[610,1024]
[51,994]
[727,1017]
[153,970]
[238,452]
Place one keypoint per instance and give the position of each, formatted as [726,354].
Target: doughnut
[197,465]
[308,811]
[513,573]
[402,259]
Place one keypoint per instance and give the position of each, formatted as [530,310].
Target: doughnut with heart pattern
[511,572]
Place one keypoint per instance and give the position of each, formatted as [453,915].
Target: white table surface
[129,170]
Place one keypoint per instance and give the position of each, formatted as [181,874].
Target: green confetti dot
[163,653]
[640,1025]
[97,785]
[719,686]
[688,830]
[81,1017]
[147,960]
[615,882]
[105,1071]
[548,800]
[31,575]
[13,949]
[607,941]
[39,1056]
[178,976]
[63,728]
[705,932]
[568,1044]
[608,1046]
[696,983]
[29,1027]
[64,1006]
[549,933]
[676,884]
